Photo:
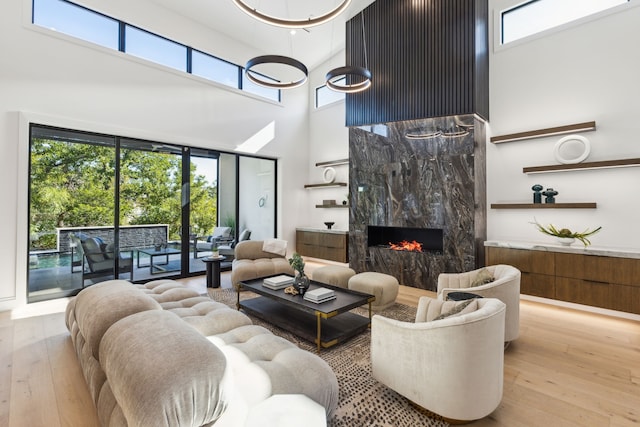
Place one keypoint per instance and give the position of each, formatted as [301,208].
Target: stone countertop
[576,248]
[322,230]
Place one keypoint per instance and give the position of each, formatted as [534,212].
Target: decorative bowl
[565,241]
[329,225]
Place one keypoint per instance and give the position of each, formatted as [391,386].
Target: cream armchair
[505,287]
[254,258]
[452,367]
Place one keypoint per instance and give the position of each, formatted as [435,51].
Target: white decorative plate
[572,149]
[329,175]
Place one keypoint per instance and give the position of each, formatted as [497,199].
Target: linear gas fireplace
[405,238]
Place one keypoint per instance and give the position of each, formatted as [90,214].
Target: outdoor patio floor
[48,283]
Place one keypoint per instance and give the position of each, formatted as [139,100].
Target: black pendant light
[256,77]
[361,76]
[292,23]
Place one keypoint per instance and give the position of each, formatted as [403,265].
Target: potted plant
[301,281]
[230,221]
[565,236]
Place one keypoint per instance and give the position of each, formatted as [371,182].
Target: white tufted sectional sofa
[161,355]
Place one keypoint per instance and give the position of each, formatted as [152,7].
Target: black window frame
[122,47]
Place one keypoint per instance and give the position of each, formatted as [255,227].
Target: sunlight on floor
[58,305]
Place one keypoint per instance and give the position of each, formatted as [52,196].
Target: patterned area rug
[363,401]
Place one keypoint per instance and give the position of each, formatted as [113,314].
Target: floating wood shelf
[333,163]
[584,166]
[539,133]
[326,185]
[332,206]
[583,205]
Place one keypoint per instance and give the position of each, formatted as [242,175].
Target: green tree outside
[73,185]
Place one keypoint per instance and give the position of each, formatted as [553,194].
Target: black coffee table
[325,324]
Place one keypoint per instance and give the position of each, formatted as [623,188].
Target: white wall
[586,71]
[257,197]
[62,82]
[329,140]
[227,188]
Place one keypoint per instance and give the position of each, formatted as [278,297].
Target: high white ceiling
[311,46]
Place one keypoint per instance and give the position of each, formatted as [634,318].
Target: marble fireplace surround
[433,182]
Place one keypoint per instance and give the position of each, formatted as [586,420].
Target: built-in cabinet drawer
[599,281]
[308,238]
[625,298]
[523,259]
[589,267]
[539,285]
[537,269]
[626,271]
[323,245]
[587,292]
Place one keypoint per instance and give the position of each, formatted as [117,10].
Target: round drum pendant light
[360,73]
[275,59]
[292,23]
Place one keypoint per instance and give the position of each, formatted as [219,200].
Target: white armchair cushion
[244,235]
[462,307]
[505,287]
[221,233]
[430,309]
[482,277]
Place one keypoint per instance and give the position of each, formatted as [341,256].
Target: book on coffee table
[320,301]
[277,282]
[319,295]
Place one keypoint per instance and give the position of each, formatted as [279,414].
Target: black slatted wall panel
[482,60]
[422,54]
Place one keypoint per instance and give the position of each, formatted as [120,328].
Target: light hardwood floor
[568,368]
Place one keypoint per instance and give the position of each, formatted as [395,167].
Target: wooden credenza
[324,244]
[611,282]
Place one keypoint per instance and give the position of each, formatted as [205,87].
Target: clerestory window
[535,16]
[77,21]
[326,96]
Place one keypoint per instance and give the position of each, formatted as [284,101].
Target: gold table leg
[319,329]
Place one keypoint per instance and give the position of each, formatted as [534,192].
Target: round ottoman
[335,275]
[384,287]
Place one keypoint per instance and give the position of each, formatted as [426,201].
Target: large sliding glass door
[150,207]
[105,206]
[203,204]
[71,198]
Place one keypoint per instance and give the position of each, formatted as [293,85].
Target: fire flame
[406,246]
